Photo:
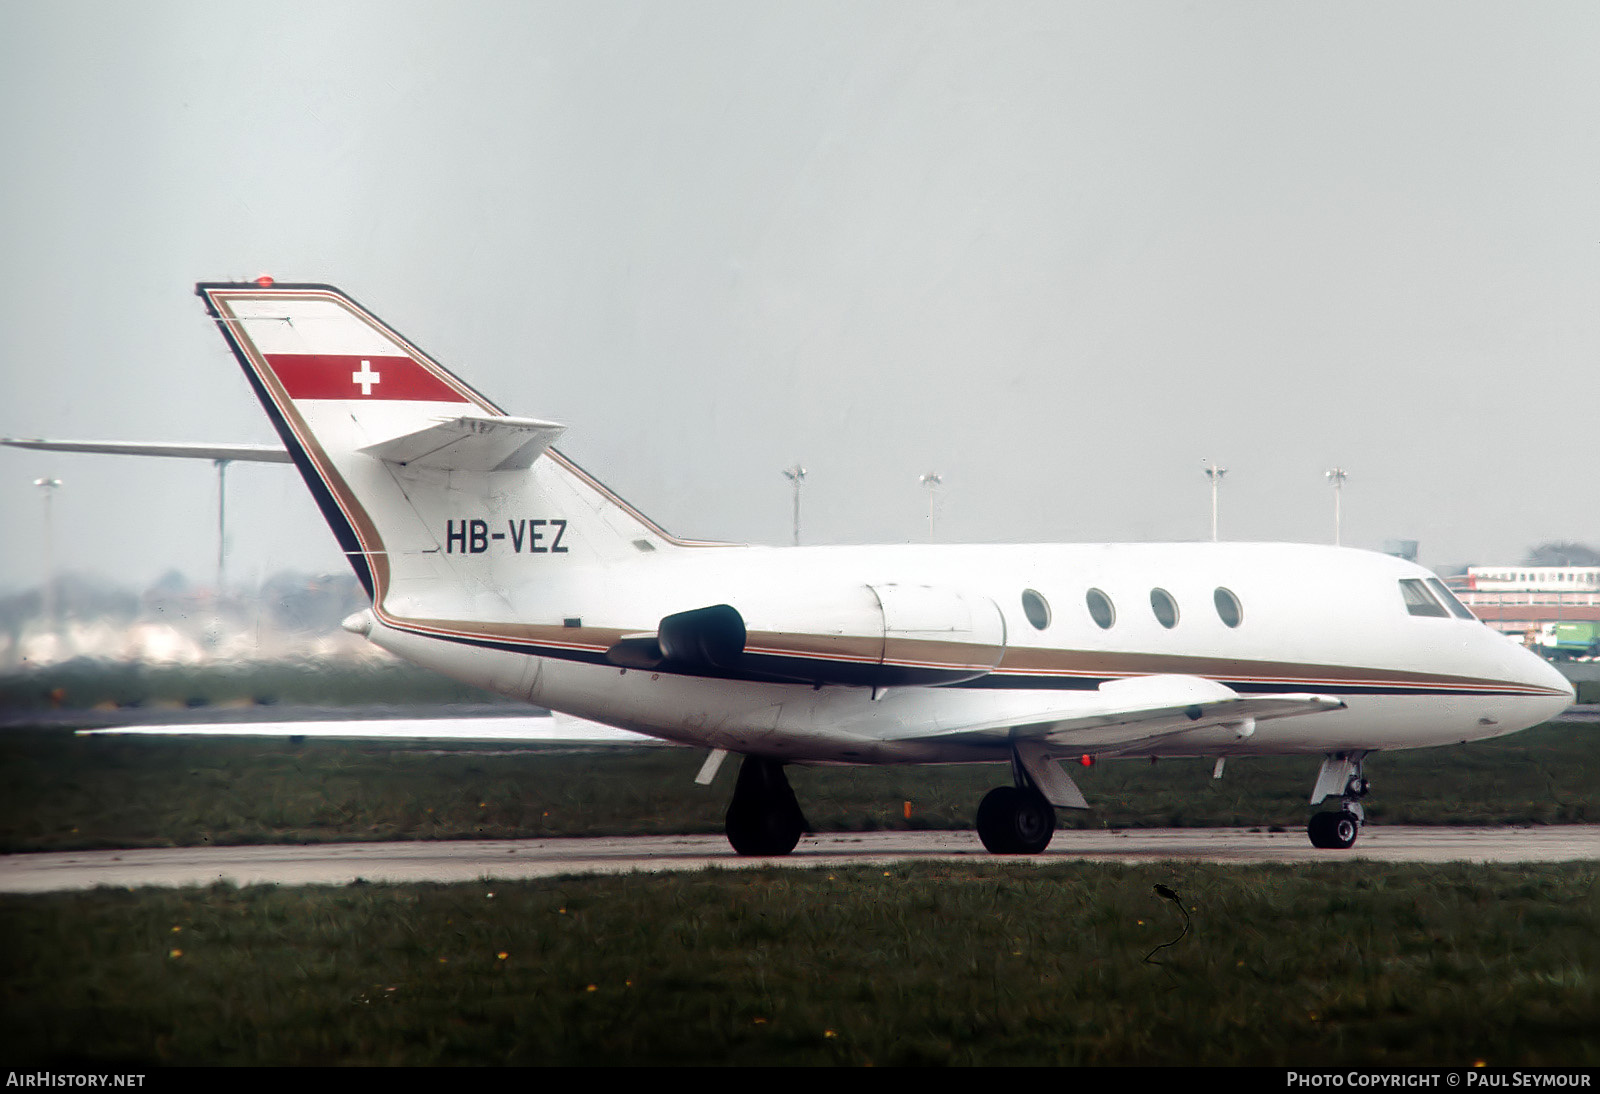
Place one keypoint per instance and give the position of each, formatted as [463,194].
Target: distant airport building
[1555,609]
[1401,548]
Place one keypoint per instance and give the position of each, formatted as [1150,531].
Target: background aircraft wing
[254,453]
[533,728]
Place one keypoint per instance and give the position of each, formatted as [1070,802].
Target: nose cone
[1550,693]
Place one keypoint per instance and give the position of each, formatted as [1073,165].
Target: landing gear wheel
[1334,831]
[763,832]
[1015,821]
[763,818]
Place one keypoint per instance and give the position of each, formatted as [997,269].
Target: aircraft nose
[1535,671]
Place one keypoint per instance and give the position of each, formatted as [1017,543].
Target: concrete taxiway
[476,860]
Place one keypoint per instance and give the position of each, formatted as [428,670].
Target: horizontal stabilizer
[254,453]
[472,443]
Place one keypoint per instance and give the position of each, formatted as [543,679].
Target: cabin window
[1228,607]
[1442,591]
[1100,609]
[1036,608]
[1165,607]
[1419,601]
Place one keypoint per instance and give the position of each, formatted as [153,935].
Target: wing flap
[472,443]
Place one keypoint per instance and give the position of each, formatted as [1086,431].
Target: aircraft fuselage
[1308,619]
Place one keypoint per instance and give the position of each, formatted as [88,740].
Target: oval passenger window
[1036,608]
[1165,607]
[1228,607]
[1100,609]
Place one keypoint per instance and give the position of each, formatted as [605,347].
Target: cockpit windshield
[1419,600]
[1442,591]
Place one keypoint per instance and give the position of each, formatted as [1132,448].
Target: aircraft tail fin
[427,485]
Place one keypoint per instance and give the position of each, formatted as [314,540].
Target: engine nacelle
[865,635]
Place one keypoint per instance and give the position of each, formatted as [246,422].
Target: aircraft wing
[254,453]
[1124,713]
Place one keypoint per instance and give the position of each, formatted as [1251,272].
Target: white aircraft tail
[430,488]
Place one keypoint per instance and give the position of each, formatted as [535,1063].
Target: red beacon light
[1086,760]
[264,281]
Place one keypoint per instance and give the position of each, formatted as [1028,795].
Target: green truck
[1563,641]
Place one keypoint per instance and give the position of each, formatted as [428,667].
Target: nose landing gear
[1338,831]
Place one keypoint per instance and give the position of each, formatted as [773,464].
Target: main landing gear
[763,818]
[1019,819]
[1341,773]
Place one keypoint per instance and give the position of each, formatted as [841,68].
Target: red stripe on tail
[312,376]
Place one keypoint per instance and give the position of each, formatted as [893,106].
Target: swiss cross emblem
[366,377]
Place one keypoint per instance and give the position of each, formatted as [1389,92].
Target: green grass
[992,963]
[1348,964]
[62,792]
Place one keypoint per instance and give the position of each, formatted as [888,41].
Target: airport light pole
[222,525]
[1336,477]
[931,480]
[796,475]
[49,487]
[1214,473]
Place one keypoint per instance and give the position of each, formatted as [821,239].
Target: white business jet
[492,558]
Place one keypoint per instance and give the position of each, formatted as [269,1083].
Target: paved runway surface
[342,863]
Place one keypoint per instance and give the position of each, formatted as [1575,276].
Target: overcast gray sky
[1058,252]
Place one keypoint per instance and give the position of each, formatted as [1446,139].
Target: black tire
[1014,821]
[763,832]
[994,820]
[763,818]
[1334,831]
